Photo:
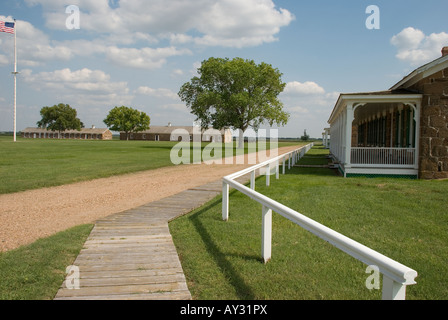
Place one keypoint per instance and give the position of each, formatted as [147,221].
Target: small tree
[127,120]
[305,136]
[235,94]
[59,118]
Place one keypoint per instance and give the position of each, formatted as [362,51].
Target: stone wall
[434,126]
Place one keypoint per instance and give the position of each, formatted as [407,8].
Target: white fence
[402,157]
[395,275]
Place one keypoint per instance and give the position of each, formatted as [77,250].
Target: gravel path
[30,215]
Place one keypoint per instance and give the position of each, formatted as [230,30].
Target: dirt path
[30,215]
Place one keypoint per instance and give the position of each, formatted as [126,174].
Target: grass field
[403,219]
[36,271]
[36,163]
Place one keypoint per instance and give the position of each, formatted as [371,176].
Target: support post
[225,201]
[252,180]
[284,164]
[393,290]
[277,170]
[268,175]
[266,241]
[348,135]
[417,113]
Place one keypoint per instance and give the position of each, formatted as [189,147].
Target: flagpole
[15,78]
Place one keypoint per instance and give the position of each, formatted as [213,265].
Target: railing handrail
[383,148]
[399,274]
[264,164]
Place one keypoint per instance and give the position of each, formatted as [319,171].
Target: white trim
[422,72]
[380,171]
[346,98]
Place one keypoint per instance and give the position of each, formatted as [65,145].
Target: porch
[376,133]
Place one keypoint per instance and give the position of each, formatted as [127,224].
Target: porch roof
[387,96]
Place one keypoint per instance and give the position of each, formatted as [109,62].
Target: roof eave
[422,72]
[371,97]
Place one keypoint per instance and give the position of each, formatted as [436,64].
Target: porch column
[348,134]
[417,133]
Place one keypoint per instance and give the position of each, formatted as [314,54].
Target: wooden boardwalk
[131,256]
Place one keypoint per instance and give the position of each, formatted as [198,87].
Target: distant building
[179,133]
[85,134]
[399,132]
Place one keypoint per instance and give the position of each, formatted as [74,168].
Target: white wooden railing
[396,276]
[386,157]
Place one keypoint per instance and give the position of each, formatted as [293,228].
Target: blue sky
[138,53]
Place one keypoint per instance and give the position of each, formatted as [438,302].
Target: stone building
[399,132]
[85,134]
[178,133]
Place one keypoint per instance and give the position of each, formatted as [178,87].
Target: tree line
[235,94]
[62,117]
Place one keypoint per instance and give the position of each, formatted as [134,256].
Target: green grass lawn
[36,163]
[36,271]
[403,219]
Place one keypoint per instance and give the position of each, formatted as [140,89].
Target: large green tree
[235,94]
[59,118]
[127,120]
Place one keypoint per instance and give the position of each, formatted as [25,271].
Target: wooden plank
[130,255]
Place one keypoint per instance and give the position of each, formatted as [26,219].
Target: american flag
[7,27]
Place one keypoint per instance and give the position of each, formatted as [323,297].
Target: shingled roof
[83,130]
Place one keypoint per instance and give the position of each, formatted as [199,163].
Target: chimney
[444,51]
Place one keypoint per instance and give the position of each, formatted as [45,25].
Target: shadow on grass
[243,291]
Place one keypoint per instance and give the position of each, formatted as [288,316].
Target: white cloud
[231,23]
[85,87]
[33,46]
[308,87]
[308,100]
[417,48]
[159,93]
[235,23]
[84,80]
[298,109]
[145,58]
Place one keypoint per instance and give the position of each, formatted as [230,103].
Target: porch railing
[400,157]
[396,276]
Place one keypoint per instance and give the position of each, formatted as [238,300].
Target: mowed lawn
[30,164]
[406,220]
[36,163]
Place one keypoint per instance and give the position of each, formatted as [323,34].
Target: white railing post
[395,275]
[252,180]
[268,175]
[225,201]
[393,290]
[277,170]
[266,234]
[284,163]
